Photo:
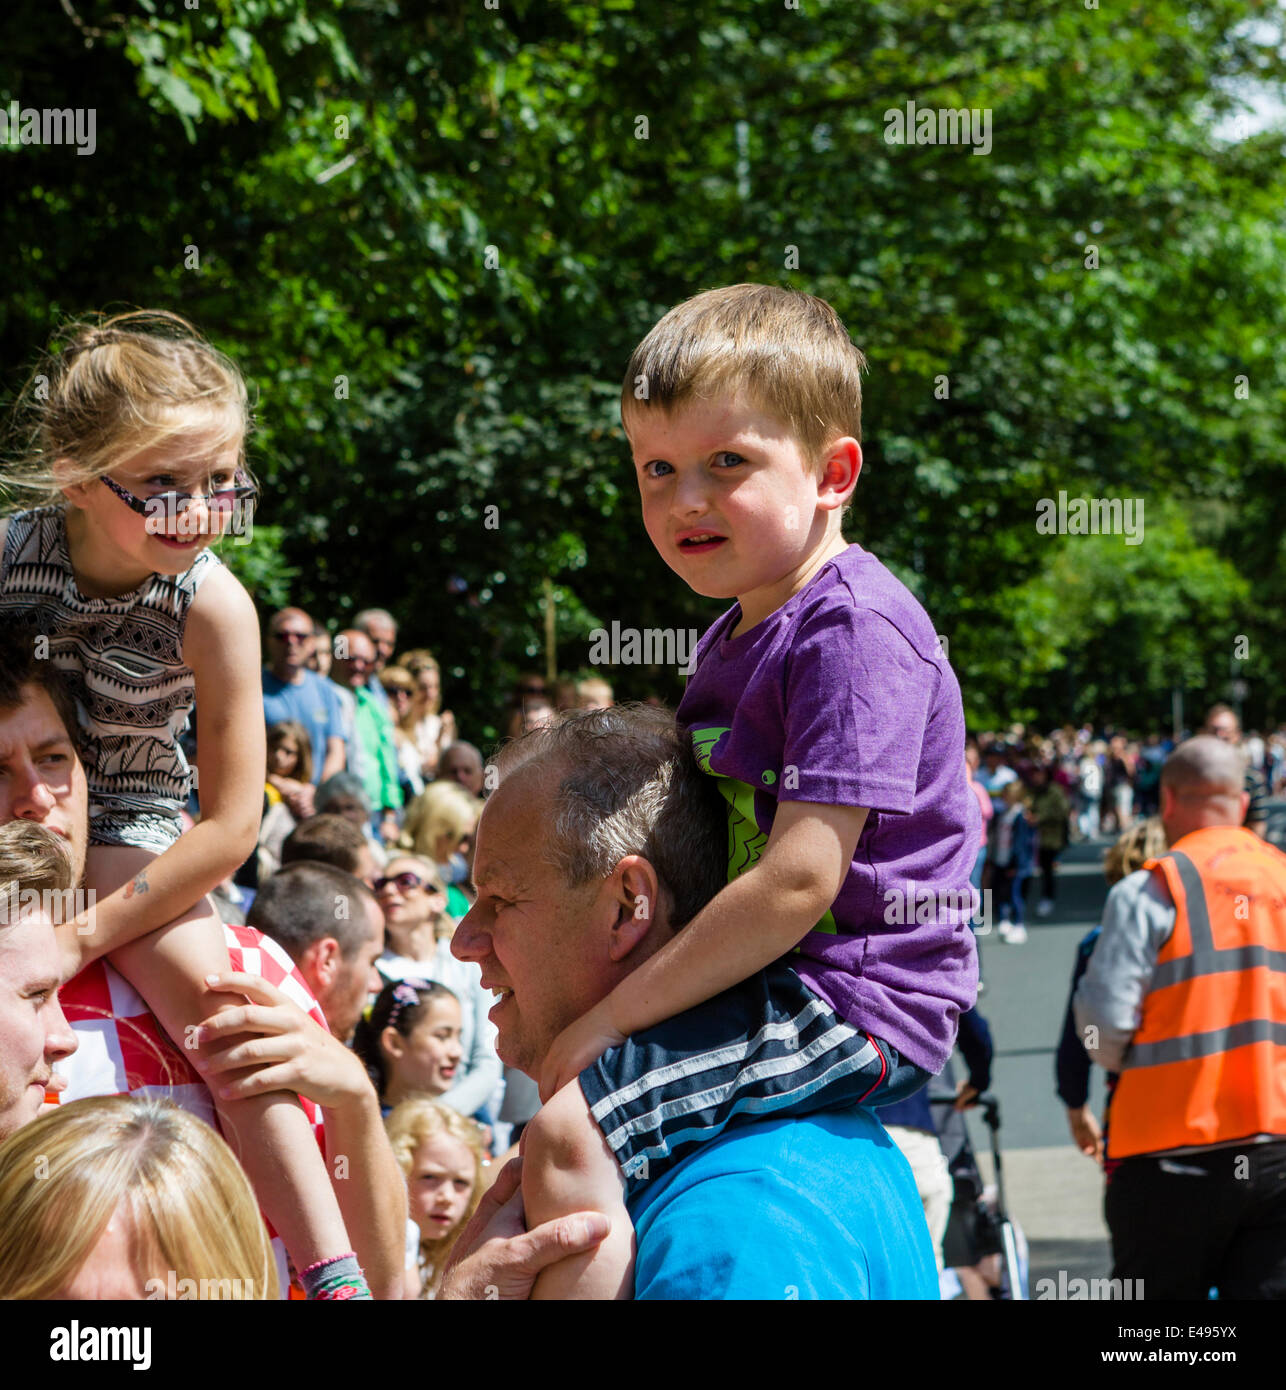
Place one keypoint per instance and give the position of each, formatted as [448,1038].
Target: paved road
[1054,1192]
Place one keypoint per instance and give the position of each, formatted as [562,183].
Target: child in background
[1144,840]
[1013,839]
[290,773]
[409,1041]
[1050,811]
[441,1154]
[840,951]
[290,767]
[132,442]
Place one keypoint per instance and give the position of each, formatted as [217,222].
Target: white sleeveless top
[122,658]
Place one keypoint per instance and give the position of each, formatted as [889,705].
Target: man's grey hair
[374,615]
[628,783]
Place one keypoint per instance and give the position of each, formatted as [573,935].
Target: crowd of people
[368,773]
[688,956]
[1038,793]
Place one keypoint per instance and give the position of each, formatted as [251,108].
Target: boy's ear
[637,893]
[840,473]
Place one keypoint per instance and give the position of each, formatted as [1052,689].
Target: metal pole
[551,641]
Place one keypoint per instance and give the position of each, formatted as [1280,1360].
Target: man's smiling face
[33,1031]
[532,936]
[41,778]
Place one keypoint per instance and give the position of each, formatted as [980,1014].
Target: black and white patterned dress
[123,660]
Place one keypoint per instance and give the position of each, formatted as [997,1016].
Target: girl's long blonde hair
[112,387]
[414,1122]
[190,1206]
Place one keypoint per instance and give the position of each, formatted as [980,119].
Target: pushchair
[979,1225]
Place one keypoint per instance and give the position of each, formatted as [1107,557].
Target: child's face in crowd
[730,502]
[430,1056]
[439,1185]
[165,543]
[285,758]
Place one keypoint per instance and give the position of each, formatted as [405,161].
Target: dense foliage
[431,234]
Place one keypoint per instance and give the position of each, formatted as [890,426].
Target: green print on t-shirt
[745,839]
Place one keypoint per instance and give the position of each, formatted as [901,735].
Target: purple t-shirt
[842,697]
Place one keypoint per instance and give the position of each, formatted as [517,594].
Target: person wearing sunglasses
[292,692]
[136,430]
[226,508]
[418,930]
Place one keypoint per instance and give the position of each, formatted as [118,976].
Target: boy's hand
[575,1048]
[290,1051]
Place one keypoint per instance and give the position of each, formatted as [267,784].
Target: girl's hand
[447,733]
[272,1045]
[389,828]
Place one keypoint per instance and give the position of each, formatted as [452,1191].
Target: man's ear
[323,960]
[637,898]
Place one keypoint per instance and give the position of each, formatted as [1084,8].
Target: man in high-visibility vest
[1185,997]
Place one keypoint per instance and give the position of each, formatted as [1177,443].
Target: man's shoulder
[824,1205]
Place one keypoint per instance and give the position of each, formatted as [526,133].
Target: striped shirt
[123,659]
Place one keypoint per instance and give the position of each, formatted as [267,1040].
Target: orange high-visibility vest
[1208,1062]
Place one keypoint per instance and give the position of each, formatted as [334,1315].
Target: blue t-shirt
[313,703]
[819,1207]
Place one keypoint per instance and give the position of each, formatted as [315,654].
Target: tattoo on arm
[139,885]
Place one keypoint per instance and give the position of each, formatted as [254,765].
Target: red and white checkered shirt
[123,1049]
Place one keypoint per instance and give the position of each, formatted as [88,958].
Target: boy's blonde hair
[111,388]
[415,1121]
[191,1208]
[783,351]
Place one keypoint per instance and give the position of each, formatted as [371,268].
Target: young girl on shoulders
[132,446]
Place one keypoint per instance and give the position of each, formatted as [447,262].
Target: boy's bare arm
[754,921]
[567,1168]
